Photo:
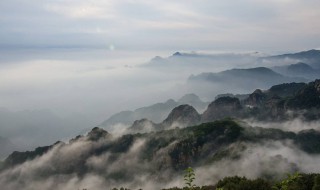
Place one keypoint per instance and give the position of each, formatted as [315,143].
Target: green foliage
[242,183]
[287,183]
[189,177]
[316,185]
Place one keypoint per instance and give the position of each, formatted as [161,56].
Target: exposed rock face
[256,98]
[183,115]
[307,98]
[222,107]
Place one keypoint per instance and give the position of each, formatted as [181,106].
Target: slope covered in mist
[221,148]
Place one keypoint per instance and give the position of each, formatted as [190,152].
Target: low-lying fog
[53,94]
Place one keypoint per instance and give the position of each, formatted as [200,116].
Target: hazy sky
[273,25]
[78,55]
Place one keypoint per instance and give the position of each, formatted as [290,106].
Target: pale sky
[273,25]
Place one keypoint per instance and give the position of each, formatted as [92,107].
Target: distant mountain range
[196,59]
[156,112]
[311,57]
[298,70]
[239,73]
[246,79]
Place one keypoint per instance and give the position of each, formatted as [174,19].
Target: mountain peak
[185,115]
[222,107]
[97,133]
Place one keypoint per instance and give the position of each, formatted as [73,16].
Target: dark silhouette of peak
[177,54]
[98,133]
[183,115]
[221,108]
[224,100]
[258,91]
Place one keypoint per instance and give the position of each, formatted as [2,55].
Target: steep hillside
[156,156]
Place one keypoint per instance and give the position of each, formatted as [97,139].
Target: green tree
[189,177]
[316,185]
[285,183]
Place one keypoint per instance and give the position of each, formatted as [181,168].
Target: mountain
[158,157]
[246,79]
[299,99]
[183,59]
[181,116]
[307,98]
[311,57]
[221,108]
[298,70]
[156,112]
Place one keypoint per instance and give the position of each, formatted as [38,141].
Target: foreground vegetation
[296,181]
